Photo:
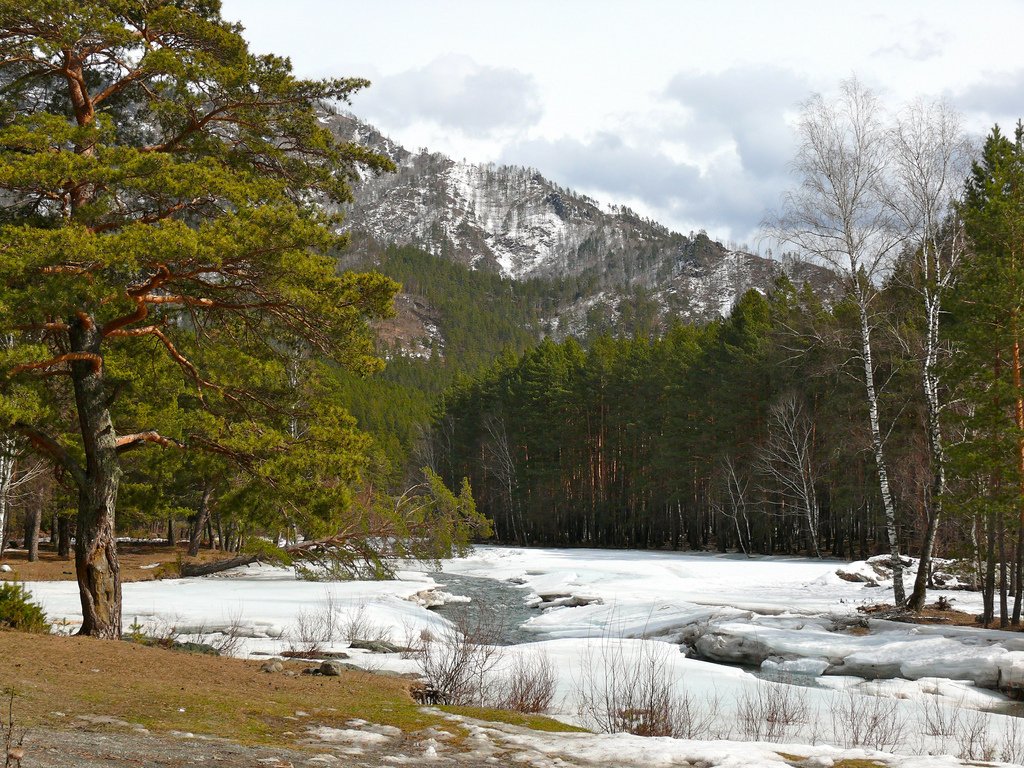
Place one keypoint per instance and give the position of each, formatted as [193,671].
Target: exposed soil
[933,614]
[82,702]
[139,562]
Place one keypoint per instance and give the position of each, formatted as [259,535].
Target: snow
[781,620]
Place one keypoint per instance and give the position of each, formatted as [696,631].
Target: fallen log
[205,569]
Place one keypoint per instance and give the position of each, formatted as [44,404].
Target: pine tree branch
[127,442]
[50,447]
[53,362]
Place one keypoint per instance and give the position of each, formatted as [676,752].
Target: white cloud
[454,92]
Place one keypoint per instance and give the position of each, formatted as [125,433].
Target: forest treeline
[888,419]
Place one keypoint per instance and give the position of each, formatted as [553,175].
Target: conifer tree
[162,192]
[986,370]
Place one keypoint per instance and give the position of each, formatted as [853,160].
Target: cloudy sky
[682,109]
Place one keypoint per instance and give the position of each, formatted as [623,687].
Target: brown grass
[932,615]
[132,557]
[167,690]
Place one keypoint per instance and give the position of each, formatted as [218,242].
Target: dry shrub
[356,625]
[867,721]
[1012,750]
[639,695]
[314,628]
[767,712]
[973,738]
[459,659]
[530,685]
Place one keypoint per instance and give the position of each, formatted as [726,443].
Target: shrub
[17,611]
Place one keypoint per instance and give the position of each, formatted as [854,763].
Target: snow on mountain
[514,220]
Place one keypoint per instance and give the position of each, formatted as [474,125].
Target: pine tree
[986,370]
[163,192]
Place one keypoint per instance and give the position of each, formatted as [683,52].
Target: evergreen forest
[186,349]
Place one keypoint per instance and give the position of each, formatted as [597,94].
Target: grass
[166,690]
[531,721]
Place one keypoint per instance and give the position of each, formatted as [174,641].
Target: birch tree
[931,158]
[838,214]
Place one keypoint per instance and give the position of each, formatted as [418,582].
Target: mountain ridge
[514,221]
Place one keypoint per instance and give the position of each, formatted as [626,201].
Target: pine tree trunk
[1018,577]
[99,574]
[889,508]
[988,590]
[1004,614]
[33,520]
[202,518]
[63,537]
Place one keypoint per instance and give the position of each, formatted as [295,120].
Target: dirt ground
[80,702]
[139,562]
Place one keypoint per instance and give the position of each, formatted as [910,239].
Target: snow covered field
[777,641]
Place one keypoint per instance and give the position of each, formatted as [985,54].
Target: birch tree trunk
[840,214]
[877,445]
[932,160]
[6,479]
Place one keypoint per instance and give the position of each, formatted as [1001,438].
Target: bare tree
[788,463]
[7,461]
[931,159]
[737,487]
[18,471]
[503,464]
[840,215]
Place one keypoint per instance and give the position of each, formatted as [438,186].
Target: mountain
[513,221]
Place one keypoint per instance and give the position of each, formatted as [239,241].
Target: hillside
[514,222]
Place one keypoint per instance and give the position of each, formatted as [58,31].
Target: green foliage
[167,215]
[17,611]
[985,327]
[623,442]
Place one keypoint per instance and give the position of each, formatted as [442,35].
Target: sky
[682,110]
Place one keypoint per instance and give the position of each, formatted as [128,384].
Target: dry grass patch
[531,721]
[790,758]
[139,562]
[166,690]
[933,615]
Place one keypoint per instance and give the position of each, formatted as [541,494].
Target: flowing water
[497,605]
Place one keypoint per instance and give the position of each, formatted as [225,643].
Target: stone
[331,668]
[732,649]
[376,646]
[271,666]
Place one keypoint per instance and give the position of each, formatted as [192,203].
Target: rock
[332,668]
[272,666]
[856,577]
[5,568]
[377,646]
[869,670]
[315,655]
[732,649]
[567,600]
